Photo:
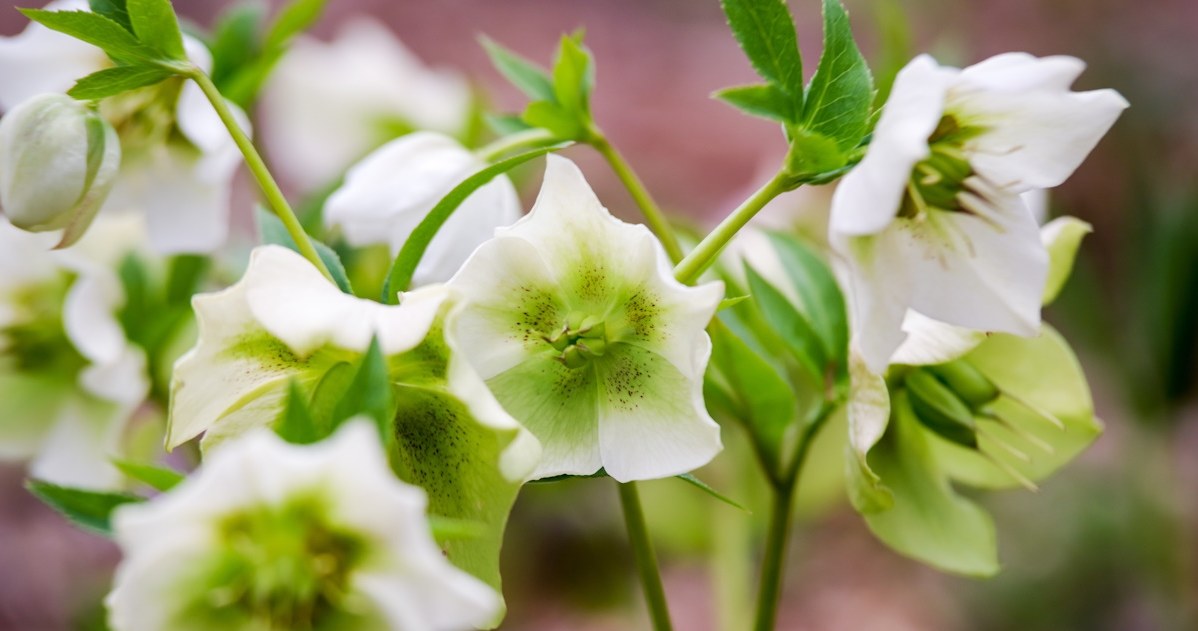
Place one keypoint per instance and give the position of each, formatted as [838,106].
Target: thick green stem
[706,252]
[512,142]
[646,562]
[253,160]
[653,216]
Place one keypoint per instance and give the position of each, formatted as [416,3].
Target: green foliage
[155,25]
[369,394]
[766,101]
[793,327]
[296,425]
[522,73]
[413,249]
[766,32]
[245,51]
[114,10]
[841,92]
[690,479]
[819,297]
[272,231]
[156,477]
[97,30]
[89,509]
[561,99]
[113,81]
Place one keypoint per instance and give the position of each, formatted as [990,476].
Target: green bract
[285,326]
[584,336]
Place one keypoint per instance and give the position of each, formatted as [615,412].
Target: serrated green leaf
[157,477]
[791,325]
[113,81]
[370,394]
[553,117]
[156,26]
[293,19]
[573,76]
[813,154]
[757,395]
[272,231]
[765,101]
[296,424]
[522,73]
[766,33]
[841,92]
[96,30]
[413,249]
[706,488]
[820,298]
[90,509]
[114,10]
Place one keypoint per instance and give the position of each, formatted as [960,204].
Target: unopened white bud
[58,161]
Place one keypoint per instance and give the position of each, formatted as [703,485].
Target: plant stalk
[646,562]
[512,142]
[655,219]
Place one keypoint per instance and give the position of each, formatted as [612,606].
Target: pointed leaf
[114,10]
[573,76]
[94,29]
[820,298]
[706,488]
[89,509]
[841,91]
[766,32]
[792,326]
[370,394]
[155,24]
[296,424]
[765,101]
[522,73]
[159,478]
[113,81]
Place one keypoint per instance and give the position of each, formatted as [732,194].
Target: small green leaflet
[113,81]
[820,299]
[89,509]
[114,10]
[370,394]
[841,92]
[296,424]
[156,26]
[522,73]
[154,476]
[792,326]
[413,249]
[706,488]
[272,231]
[766,33]
[766,101]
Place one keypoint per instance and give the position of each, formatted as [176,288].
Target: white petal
[878,287]
[122,380]
[79,448]
[931,342]
[868,198]
[89,317]
[40,60]
[868,412]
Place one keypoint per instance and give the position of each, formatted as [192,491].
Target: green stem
[253,160]
[778,536]
[705,253]
[519,140]
[642,550]
[653,216]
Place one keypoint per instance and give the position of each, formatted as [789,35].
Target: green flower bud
[940,409]
[58,161]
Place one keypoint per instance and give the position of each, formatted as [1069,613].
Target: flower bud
[58,160]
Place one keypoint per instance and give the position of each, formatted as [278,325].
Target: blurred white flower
[327,104]
[178,160]
[578,326]
[269,535]
[69,378]
[932,220]
[386,195]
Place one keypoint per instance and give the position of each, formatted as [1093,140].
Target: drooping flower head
[269,536]
[931,219]
[582,333]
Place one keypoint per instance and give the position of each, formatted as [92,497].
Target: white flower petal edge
[401,577]
[39,60]
[387,194]
[570,256]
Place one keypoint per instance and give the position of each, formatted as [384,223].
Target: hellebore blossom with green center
[582,333]
[269,536]
[931,220]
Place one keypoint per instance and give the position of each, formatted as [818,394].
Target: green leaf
[706,488]
[555,118]
[96,30]
[928,520]
[793,327]
[155,24]
[413,249]
[114,10]
[765,101]
[522,73]
[841,92]
[296,424]
[370,394]
[113,81]
[272,231]
[820,299]
[813,155]
[573,76]
[754,392]
[728,303]
[160,478]
[766,33]
[294,18]
[185,272]
[90,509]
[1063,236]
[235,43]
[505,124]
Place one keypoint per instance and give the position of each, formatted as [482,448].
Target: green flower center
[581,338]
[937,180]
[282,567]
[37,341]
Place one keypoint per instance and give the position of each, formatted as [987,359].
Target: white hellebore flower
[58,160]
[69,379]
[327,104]
[931,220]
[386,195]
[269,536]
[178,161]
[583,334]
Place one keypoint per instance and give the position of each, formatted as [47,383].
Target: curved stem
[511,142]
[646,563]
[653,216]
[253,160]
[705,253]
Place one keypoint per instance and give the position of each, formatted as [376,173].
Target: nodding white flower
[58,160]
[69,378]
[327,105]
[268,535]
[582,333]
[178,160]
[931,220]
[386,195]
